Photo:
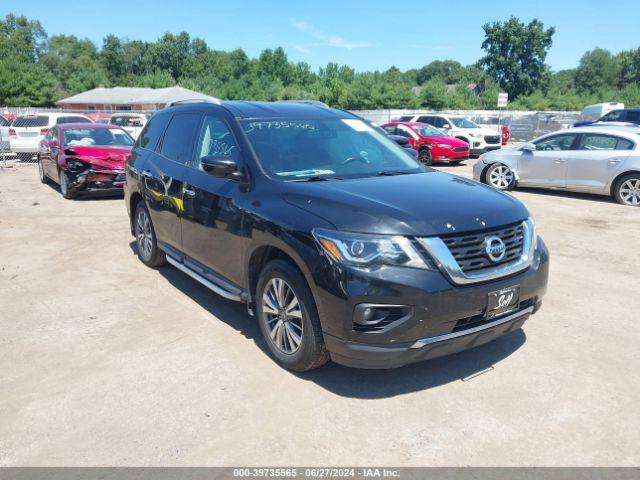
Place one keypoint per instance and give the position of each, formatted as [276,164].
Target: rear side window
[598,142]
[390,129]
[624,144]
[153,131]
[426,120]
[614,116]
[633,116]
[179,136]
[31,121]
[63,120]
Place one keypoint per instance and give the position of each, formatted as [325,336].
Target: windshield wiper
[390,173]
[315,178]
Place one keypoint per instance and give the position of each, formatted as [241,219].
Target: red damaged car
[84,157]
[433,145]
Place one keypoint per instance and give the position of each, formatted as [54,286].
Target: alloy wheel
[64,183]
[501,177]
[144,235]
[630,192]
[283,316]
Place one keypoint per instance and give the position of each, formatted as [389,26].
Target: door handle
[613,162]
[559,161]
[146,174]
[189,193]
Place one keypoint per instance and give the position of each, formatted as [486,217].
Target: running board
[210,285]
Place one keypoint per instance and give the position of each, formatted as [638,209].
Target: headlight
[443,145]
[368,251]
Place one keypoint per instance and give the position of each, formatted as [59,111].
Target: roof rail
[307,102]
[195,100]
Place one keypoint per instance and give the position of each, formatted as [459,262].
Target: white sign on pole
[503,98]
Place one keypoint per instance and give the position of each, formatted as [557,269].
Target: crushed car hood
[108,158]
[428,203]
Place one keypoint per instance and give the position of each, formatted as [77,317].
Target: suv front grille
[469,250]
[492,139]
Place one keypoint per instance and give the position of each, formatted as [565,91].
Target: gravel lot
[106,362]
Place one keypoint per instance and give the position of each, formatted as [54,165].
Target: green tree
[597,69]
[516,54]
[21,38]
[434,94]
[26,84]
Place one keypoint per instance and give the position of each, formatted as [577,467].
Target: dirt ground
[106,362]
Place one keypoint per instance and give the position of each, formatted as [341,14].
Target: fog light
[369,317]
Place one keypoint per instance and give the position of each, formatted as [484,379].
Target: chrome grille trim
[446,262]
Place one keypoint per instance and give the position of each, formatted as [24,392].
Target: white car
[132,123]
[26,131]
[480,139]
[4,134]
[600,160]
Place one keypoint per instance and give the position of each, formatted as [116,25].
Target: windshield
[462,122]
[336,147]
[87,137]
[428,131]
[127,121]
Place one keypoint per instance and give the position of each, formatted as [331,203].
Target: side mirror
[53,144]
[446,126]
[528,147]
[220,167]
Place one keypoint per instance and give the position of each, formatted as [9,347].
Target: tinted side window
[557,142]
[633,116]
[215,139]
[62,120]
[597,142]
[390,129]
[613,116]
[438,122]
[177,143]
[152,132]
[425,119]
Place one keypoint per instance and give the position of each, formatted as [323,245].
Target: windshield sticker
[357,125]
[266,125]
[305,173]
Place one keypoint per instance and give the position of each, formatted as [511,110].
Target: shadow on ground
[350,382]
[83,196]
[566,194]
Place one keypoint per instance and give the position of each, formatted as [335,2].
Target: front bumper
[359,355]
[444,319]
[92,180]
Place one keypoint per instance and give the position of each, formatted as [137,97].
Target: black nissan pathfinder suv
[341,244]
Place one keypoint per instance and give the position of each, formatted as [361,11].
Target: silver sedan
[599,160]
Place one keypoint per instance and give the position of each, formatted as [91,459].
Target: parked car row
[23,134]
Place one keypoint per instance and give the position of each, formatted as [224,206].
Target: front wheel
[43,176]
[424,155]
[67,191]
[148,251]
[501,177]
[627,190]
[288,318]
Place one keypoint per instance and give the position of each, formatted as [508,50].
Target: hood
[112,158]
[428,203]
[483,131]
[446,140]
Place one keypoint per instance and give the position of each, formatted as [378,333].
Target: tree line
[37,70]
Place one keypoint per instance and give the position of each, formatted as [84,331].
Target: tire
[627,190]
[281,327]
[67,192]
[500,176]
[148,251]
[42,175]
[424,156]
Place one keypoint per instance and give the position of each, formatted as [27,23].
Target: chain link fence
[524,125]
[23,129]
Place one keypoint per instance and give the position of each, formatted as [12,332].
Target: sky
[366,35]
